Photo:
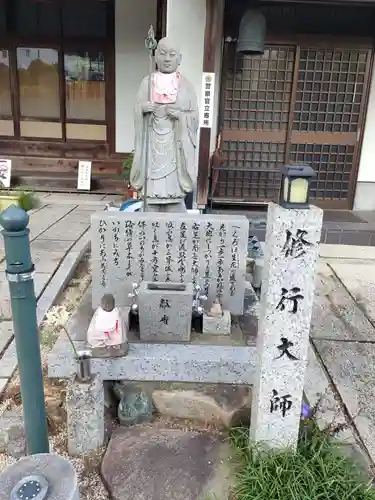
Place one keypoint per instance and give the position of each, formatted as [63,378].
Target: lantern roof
[298,171]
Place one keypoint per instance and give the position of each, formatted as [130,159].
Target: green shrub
[318,471]
[28,200]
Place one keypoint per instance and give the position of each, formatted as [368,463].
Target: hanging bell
[251,33]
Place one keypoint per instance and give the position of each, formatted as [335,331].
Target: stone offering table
[164,363]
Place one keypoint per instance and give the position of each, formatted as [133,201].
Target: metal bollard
[19,271]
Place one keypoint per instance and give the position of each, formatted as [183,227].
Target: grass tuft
[318,471]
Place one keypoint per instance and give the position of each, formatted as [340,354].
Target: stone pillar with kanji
[292,250]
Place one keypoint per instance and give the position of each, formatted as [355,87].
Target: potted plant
[126,169]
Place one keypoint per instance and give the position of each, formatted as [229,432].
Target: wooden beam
[210,44]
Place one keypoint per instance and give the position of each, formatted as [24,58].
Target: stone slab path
[343,339]
[59,238]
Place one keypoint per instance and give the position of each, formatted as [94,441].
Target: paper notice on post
[84,175]
[5,173]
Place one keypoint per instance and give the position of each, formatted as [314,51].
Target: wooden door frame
[211,39]
[317,41]
[17,145]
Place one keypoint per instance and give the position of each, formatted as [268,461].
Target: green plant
[317,471]
[28,200]
[127,166]
[55,320]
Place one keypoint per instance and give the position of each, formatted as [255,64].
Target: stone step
[164,363]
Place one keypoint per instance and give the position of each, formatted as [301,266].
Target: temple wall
[132,21]
[186,20]
[365,189]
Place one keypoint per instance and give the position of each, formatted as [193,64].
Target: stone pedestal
[292,249]
[165,311]
[58,472]
[219,325]
[85,412]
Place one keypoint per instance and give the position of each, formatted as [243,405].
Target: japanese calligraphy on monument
[280,404]
[129,234]
[116,243]
[234,262]
[103,252]
[182,252]
[142,243]
[205,250]
[155,266]
[296,245]
[220,261]
[168,262]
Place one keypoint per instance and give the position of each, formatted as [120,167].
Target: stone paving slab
[63,276]
[55,261]
[352,368]
[336,316]
[62,198]
[8,362]
[48,245]
[359,279]
[47,217]
[47,261]
[66,231]
[6,334]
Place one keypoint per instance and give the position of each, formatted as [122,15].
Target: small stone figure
[107,335]
[216,310]
[135,406]
[166,128]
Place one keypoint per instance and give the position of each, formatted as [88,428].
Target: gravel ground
[87,467]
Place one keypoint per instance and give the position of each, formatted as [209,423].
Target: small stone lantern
[295,186]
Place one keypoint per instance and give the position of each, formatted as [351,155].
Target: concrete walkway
[59,238]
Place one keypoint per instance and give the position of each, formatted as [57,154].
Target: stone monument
[205,250]
[166,127]
[292,249]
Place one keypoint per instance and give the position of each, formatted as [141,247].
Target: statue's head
[108,302]
[167,56]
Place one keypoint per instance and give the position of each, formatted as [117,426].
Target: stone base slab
[217,325]
[163,362]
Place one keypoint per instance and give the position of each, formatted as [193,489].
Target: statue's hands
[148,107]
[174,111]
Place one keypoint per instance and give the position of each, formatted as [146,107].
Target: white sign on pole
[208,93]
[5,172]
[84,175]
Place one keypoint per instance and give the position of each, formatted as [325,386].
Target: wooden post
[210,44]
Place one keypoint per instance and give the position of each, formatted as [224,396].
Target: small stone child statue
[216,310]
[107,335]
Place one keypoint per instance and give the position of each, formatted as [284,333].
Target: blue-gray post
[20,270]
